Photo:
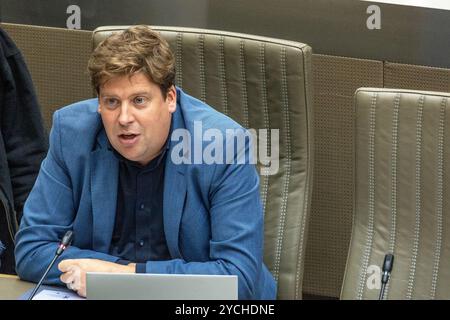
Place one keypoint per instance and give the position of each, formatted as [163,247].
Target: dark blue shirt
[138,229]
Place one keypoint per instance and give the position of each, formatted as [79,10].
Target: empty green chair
[402,192]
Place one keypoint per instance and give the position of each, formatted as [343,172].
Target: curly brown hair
[136,49]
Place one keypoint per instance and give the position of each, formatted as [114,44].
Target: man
[23,144]
[115,174]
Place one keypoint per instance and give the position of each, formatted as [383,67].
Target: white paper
[57,295]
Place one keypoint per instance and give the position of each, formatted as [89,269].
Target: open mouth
[128,139]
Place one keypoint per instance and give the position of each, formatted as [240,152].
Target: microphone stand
[42,278]
[65,242]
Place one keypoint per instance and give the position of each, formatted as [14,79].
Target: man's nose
[126,114]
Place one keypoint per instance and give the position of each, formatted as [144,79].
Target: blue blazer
[213,219]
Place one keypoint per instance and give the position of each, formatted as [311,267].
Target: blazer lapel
[104,181]
[174,190]
[173,204]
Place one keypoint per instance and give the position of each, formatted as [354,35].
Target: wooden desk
[11,287]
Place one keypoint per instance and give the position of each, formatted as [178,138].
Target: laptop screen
[145,286]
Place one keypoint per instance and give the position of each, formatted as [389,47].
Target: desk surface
[11,287]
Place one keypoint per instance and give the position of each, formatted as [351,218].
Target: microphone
[65,243]
[387,268]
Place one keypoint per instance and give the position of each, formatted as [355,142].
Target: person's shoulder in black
[23,143]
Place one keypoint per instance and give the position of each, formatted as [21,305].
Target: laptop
[147,286]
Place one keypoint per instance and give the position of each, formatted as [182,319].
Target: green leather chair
[402,192]
[262,83]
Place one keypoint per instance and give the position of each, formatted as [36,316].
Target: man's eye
[111,102]
[140,101]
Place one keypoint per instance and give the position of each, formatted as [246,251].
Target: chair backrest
[262,83]
[402,192]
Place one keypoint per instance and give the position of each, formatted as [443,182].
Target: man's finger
[65,265]
[67,277]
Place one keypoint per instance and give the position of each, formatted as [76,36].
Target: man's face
[136,116]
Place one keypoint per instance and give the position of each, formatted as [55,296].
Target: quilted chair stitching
[285,110]
[201,55]
[415,249]
[178,62]
[371,200]
[439,197]
[264,179]
[244,83]
[394,158]
[223,79]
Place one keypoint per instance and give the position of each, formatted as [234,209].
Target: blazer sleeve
[236,244]
[49,213]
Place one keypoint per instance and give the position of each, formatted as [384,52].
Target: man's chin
[128,154]
[130,157]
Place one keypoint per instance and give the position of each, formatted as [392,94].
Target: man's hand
[74,271]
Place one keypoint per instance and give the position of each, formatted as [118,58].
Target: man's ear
[171,99]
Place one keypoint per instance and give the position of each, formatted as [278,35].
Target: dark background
[337,27]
